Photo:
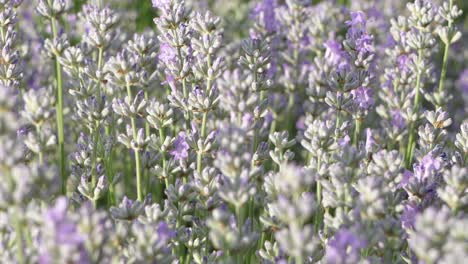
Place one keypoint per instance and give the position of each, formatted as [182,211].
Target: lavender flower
[363,97]
[208,106]
[180,147]
[160,3]
[265,13]
[463,81]
[344,247]
[61,241]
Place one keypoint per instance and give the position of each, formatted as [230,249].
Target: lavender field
[233,131]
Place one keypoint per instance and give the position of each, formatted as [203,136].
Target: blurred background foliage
[236,10]
[143,9]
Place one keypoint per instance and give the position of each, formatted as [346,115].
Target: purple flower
[374,12]
[363,97]
[357,22]
[462,82]
[164,232]
[167,53]
[334,52]
[406,178]
[364,43]
[160,3]
[343,142]
[403,62]
[23,131]
[64,233]
[268,119]
[370,141]
[389,42]
[265,12]
[247,120]
[300,124]
[408,216]
[397,119]
[127,202]
[428,166]
[344,247]
[170,80]
[180,147]
[358,18]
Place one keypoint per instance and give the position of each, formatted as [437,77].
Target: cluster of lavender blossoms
[234,131]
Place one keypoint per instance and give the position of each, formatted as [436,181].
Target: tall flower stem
[159,185]
[41,155]
[319,215]
[357,131]
[137,152]
[204,119]
[59,112]
[298,259]
[162,136]
[94,159]
[446,54]
[444,68]
[417,102]
[96,130]
[147,125]
[19,239]
[291,101]
[239,219]
[259,101]
[338,119]
[99,66]
[202,135]
[184,82]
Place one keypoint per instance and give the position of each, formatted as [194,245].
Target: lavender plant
[261,131]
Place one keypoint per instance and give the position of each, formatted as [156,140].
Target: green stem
[41,156]
[162,137]
[203,134]
[273,126]
[204,119]
[166,181]
[59,113]
[262,240]
[184,82]
[357,131]
[251,208]
[319,215]
[417,102]
[203,126]
[444,68]
[19,240]
[338,119]
[159,187]
[239,218]
[199,162]
[290,120]
[446,55]
[137,152]
[109,168]
[147,125]
[298,260]
[138,173]
[188,258]
[259,101]
[94,160]
[239,226]
[99,62]
[2,33]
